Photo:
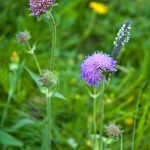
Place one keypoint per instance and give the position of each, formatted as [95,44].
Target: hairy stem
[94,116]
[49,120]
[101,117]
[53,41]
[121,144]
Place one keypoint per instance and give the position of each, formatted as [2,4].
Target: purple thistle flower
[39,6]
[94,66]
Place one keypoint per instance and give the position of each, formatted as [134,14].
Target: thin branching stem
[34,57]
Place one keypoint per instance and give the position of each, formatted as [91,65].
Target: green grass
[78,34]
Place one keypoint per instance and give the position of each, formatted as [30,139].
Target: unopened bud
[23,37]
[48,79]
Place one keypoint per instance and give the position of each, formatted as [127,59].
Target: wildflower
[94,67]
[100,8]
[39,7]
[113,130]
[89,143]
[23,37]
[129,121]
[122,37]
[48,79]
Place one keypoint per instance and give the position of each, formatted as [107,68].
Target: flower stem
[94,117]
[101,117]
[49,120]
[53,41]
[121,144]
[6,108]
[34,57]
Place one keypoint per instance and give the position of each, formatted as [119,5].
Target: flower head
[48,79]
[113,130]
[40,6]
[23,37]
[100,8]
[94,66]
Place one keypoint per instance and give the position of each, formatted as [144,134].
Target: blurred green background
[80,31]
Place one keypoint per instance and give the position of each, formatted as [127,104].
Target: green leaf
[35,78]
[59,96]
[8,139]
[21,123]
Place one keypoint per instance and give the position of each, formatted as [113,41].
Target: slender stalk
[53,41]
[34,57]
[101,117]
[121,144]
[6,108]
[37,64]
[49,120]
[94,116]
[136,113]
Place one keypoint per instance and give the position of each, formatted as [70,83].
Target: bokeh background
[80,31]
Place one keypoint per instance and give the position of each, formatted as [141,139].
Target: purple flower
[94,66]
[39,6]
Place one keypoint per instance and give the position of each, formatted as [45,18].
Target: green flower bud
[48,79]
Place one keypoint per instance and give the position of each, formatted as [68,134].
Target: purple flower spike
[94,66]
[39,6]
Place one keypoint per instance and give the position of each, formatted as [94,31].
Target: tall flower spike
[94,67]
[39,7]
[122,37]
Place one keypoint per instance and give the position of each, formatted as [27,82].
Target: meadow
[26,108]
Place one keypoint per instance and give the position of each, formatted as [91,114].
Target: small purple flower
[94,66]
[39,6]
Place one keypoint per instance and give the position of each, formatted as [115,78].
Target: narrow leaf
[7,139]
[60,96]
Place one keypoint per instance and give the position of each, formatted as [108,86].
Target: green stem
[94,116]
[37,64]
[53,41]
[101,117]
[34,57]
[121,144]
[6,108]
[49,120]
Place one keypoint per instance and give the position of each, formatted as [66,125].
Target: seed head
[113,130]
